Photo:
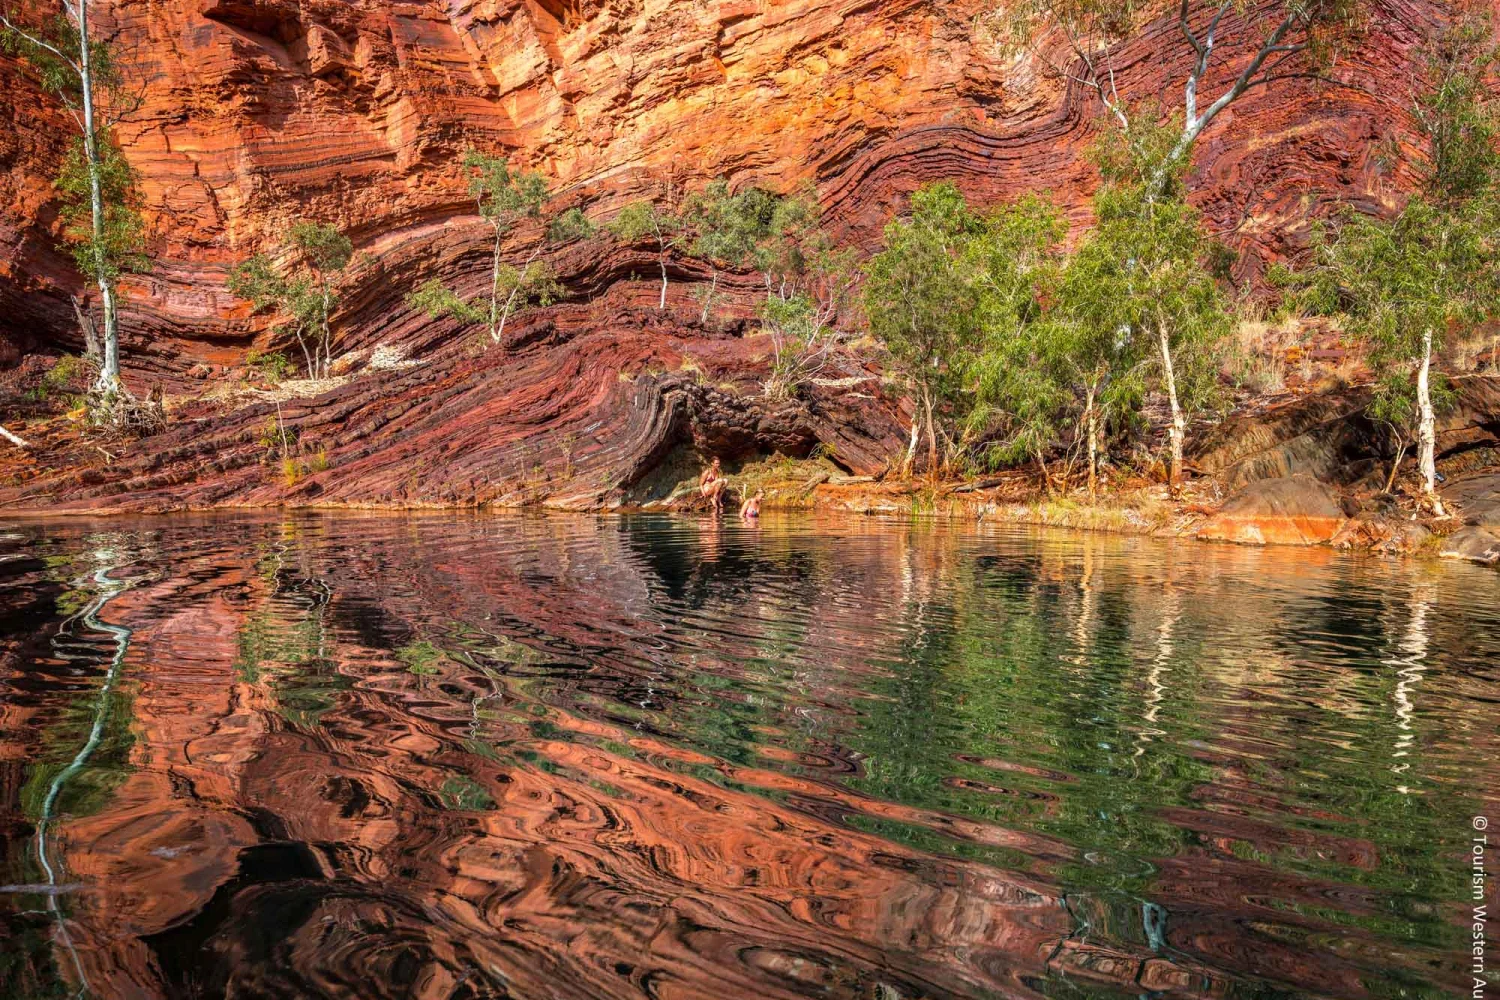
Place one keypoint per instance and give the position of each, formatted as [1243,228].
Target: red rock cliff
[355,111]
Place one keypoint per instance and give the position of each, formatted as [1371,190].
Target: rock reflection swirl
[579,757]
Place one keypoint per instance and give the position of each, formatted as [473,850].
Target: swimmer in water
[750,509]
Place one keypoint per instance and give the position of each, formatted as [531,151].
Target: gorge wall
[356,112]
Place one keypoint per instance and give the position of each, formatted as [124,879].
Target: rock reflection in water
[573,757]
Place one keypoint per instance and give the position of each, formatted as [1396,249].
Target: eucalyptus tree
[922,303]
[809,282]
[1286,39]
[1151,264]
[658,224]
[806,312]
[727,230]
[301,290]
[100,201]
[503,196]
[1402,284]
[1015,261]
[1103,364]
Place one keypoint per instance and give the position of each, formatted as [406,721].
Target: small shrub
[291,472]
[59,378]
[274,365]
[270,434]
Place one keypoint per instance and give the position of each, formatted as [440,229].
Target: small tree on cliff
[727,230]
[806,312]
[645,221]
[303,293]
[1287,40]
[922,303]
[1403,283]
[100,203]
[809,283]
[503,197]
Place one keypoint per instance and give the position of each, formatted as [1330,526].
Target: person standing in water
[750,509]
[712,485]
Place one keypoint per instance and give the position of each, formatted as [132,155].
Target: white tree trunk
[708,300]
[932,459]
[495,286]
[1093,432]
[1178,430]
[916,429]
[327,360]
[19,442]
[663,303]
[1427,426]
[108,382]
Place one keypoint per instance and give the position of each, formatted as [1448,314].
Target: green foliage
[1014,258]
[460,792]
[921,300]
[302,293]
[99,201]
[322,245]
[1141,152]
[809,282]
[39,47]
[1008,340]
[531,283]
[119,245]
[955,297]
[643,220]
[1403,284]
[90,789]
[1153,265]
[806,308]
[571,225]
[730,229]
[59,378]
[502,194]
[437,299]
[272,364]
[1399,281]
[1456,112]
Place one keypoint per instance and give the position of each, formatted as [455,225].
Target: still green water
[566,757]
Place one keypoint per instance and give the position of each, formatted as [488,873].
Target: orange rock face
[356,112]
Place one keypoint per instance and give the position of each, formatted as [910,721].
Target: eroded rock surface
[1329,436]
[571,412]
[1296,510]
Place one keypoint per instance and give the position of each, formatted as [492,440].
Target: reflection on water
[567,757]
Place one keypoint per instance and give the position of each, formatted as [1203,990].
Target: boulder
[1296,510]
[1477,500]
[1475,544]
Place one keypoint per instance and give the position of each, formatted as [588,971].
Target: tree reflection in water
[457,756]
